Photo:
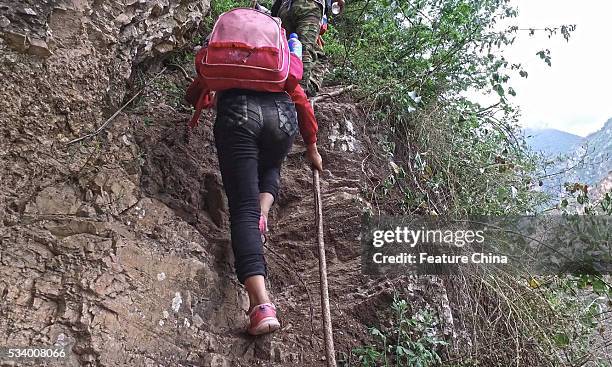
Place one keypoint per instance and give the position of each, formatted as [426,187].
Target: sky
[575,94]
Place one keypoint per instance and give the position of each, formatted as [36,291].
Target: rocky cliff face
[117,247]
[63,277]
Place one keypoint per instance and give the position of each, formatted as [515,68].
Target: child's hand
[312,153]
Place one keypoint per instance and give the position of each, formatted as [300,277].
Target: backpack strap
[198,94]
[204,101]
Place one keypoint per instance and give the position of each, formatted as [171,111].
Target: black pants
[253,134]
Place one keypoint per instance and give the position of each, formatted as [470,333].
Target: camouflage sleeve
[306,16]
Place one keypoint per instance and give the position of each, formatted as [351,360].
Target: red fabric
[323,29]
[194,92]
[296,71]
[206,100]
[199,96]
[236,44]
[306,117]
[247,49]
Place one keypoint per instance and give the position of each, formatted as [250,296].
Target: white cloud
[575,94]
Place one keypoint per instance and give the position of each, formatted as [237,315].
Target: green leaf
[561,339]
[599,286]
[499,89]
[400,351]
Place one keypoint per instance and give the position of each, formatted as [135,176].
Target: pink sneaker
[263,319]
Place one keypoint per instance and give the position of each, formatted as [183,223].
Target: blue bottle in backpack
[295,46]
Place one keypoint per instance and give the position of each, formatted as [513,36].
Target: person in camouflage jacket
[304,17]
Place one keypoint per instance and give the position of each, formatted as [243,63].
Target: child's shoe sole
[265,326]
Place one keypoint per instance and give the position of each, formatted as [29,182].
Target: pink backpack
[247,49]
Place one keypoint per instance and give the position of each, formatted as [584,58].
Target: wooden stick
[331,94]
[327,323]
[324,287]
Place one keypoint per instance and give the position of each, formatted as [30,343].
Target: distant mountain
[587,160]
[552,142]
[597,153]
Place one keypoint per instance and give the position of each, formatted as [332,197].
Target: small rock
[219,361]
[28,11]
[4,21]
[164,47]
[125,140]
[17,41]
[39,48]
[61,340]
[86,211]
[161,276]
[123,19]
[62,199]
[123,192]
[52,287]
[176,302]
[197,321]
[87,358]
[156,10]
[11,58]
